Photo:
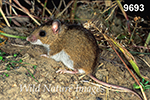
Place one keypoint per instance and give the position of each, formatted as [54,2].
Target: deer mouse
[73,45]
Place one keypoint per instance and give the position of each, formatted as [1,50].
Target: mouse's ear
[56,26]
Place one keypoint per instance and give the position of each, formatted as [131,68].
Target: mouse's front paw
[44,55]
[61,71]
[66,71]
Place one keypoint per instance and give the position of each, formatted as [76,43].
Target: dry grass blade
[145,62]
[111,43]
[64,9]
[10,7]
[55,8]
[108,3]
[73,10]
[4,17]
[3,14]
[111,13]
[64,3]
[14,21]
[3,71]
[109,7]
[60,3]
[26,11]
[45,7]
[147,40]
[28,2]
[125,15]
[129,57]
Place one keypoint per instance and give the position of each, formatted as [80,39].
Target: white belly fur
[63,57]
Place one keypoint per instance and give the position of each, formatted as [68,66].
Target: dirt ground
[20,85]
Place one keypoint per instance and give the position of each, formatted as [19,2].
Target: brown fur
[76,41]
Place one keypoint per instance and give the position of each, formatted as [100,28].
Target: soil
[20,85]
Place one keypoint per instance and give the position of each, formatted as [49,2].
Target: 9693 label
[133,7]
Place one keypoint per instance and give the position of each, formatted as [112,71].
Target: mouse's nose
[27,38]
[32,39]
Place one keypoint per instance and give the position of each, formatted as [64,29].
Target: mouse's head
[45,34]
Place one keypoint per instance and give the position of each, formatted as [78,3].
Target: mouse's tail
[113,86]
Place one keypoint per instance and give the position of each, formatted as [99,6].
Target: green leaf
[2,53]
[20,60]
[121,37]
[147,41]
[0,14]
[31,74]
[146,82]
[10,20]
[13,36]
[34,66]
[142,80]
[8,68]
[1,58]
[15,55]
[6,74]
[136,86]
[142,86]
[147,87]
[136,68]
[13,64]
[8,65]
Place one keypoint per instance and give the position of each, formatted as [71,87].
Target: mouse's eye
[42,33]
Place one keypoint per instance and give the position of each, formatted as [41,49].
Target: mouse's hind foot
[67,71]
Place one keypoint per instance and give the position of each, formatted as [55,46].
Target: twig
[23,10]
[64,9]
[111,13]
[64,3]
[3,71]
[65,6]
[14,11]
[145,61]
[107,38]
[19,45]
[8,14]
[109,8]
[3,14]
[60,3]
[45,7]
[133,32]
[73,9]
[54,7]
[26,11]
[129,71]
[10,7]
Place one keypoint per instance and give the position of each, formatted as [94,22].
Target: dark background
[145,14]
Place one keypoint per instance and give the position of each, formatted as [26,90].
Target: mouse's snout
[31,38]
[27,38]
